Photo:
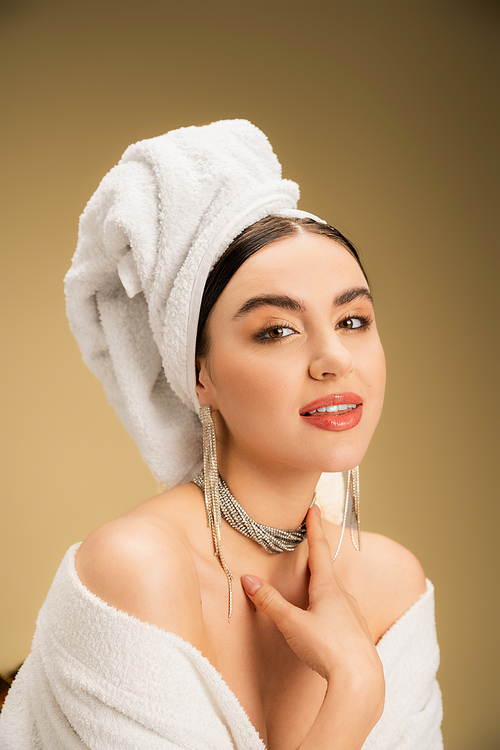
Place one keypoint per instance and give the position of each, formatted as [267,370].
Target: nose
[330,359]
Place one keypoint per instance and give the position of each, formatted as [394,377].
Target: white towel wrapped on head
[147,241]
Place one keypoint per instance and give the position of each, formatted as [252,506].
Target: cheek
[379,368]
[241,382]
[374,377]
[253,393]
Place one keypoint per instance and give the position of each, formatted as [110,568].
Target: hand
[331,636]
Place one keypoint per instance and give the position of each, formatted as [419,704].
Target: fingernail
[316,509]
[251,584]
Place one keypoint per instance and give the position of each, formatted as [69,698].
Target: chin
[340,461]
[340,457]
[337,466]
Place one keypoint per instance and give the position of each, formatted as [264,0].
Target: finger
[267,599]
[320,556]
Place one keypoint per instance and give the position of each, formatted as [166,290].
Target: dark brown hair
[254,238]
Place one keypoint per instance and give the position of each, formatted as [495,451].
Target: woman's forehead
[305,262]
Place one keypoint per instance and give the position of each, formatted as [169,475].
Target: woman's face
[296,369]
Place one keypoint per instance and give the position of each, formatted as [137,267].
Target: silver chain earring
[212,494]
[352,504]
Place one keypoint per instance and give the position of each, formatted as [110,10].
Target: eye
[352,323]
[279,332]
[275,332]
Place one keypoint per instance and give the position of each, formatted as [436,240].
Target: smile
[334,413]
[329,409]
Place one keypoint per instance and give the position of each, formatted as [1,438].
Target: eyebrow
[288,303]
[357,292]
[270,300]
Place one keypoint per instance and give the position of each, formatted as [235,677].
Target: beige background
[386,114]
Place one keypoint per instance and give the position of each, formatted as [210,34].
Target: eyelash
[364,320]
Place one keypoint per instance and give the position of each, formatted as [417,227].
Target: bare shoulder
[142,563]
[394,567]
[385,578]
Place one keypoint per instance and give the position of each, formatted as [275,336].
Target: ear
[204,387]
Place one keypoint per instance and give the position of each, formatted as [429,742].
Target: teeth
[340,407]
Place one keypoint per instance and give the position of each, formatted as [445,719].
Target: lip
[334,421]
[334,399]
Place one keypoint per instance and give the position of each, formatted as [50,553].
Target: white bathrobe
[100,679]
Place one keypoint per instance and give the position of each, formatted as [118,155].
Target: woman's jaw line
[292,470]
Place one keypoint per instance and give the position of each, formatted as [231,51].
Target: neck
[277,496]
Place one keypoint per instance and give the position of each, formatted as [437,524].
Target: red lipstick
[336,412]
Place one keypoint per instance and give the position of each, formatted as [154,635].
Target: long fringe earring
[352,503]
[212,495]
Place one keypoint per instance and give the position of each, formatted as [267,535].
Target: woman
[192,256]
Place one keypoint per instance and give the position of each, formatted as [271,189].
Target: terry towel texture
[99,679]
[147,240]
